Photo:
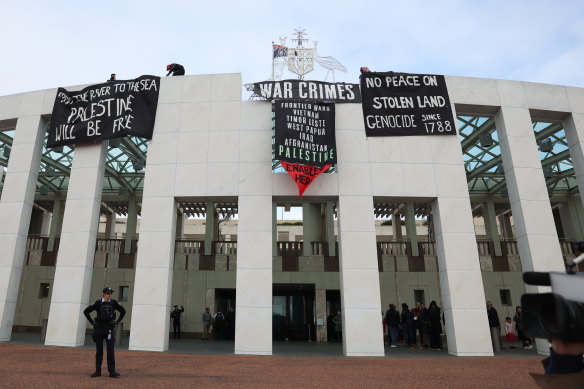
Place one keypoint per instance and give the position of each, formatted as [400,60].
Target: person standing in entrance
[104,325]
[175,316]
[230,324]
[406,323]
[392,320]
[495,326]
[207,320]
[417,325]
[434,327]
[338,322]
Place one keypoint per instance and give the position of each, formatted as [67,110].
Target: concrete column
[46,223]
[507,229]
[274,229]
[311,227]
[110,226]
[574,128]
[537,239]
[570,222]
[578,212]
[573,218]
[180,225]
[320,301]
[210,228]
[330,230]
[411,228]
[154,270]
[253,327]
[36,221]
[56,222]
[131,224]
[74,269]
[490,218]
[360,291]
[396,226]
[461,281]
[15,211]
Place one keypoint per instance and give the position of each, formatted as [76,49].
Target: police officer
[104,324]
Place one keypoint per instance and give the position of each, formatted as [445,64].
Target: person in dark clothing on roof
[176,69]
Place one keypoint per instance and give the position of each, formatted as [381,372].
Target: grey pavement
[288,349]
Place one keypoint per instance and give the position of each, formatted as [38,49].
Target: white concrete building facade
[211,146]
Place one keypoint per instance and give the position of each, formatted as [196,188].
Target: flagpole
[273,61]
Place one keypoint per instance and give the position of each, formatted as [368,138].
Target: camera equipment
[559,314]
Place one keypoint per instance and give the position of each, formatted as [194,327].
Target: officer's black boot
[96,374]
[114,374]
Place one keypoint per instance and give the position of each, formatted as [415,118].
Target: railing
[427,248]
[226,247]
[290,248]
[510,247]
[318,248]
[188,246]
[37,242]
[484,247]
[109,245]
[567,247]
[393,247]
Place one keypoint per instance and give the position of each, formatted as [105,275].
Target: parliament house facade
[193,217]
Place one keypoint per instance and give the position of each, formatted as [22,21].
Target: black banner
[305,132]
[308,90]
[105,111]
[397,104]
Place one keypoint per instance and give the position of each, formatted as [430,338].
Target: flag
[303,175]
[280,51]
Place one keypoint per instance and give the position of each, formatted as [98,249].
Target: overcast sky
[47,44]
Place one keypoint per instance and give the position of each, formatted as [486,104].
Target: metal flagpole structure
[273,61]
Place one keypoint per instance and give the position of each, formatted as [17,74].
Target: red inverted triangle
[303,175]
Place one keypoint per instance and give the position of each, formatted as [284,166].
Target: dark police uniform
[104,325]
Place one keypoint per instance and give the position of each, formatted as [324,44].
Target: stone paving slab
[28,366]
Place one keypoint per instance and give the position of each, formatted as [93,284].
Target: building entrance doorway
[333,304]
[293,312]
[223,329]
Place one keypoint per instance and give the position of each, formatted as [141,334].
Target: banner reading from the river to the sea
[305,139]
[105,111]
[405,104]
[339,92]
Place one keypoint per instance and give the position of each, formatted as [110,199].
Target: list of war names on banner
[405,104]
[305,132]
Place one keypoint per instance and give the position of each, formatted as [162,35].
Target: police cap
[107,289]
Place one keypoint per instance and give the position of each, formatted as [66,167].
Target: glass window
[124,293]
[44,290]
[419,296]
[505,297]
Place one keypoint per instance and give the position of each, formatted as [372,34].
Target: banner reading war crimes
[305,139]
[397,104]
[308,90]
[105,111]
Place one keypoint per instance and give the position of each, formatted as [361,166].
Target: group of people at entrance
[513,328]
[408,324]
[218,325]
